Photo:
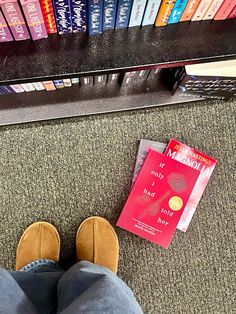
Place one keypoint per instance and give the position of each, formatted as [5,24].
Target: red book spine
[48,15]
[232,14]
[225,10]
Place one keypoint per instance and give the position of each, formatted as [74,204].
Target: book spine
[38,86]
[59,84]
[123,13]
[75,80]
[78,15]
[14,17]
[95,16]
[177,11]
[63,16]
[189,10]
[201,10]
[164,12]
[100,79]
[225,10]
[137,12]
[232,14]
[28,87]
[48,15]
[34,18]
[213,8]
[49,86]
[67,82]
[8,89]
[5,34]
[151,12]
[17,88]
[109,14]
[86,81]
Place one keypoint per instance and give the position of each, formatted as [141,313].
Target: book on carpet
[158,198]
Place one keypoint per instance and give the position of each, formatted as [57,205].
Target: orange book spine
[164,12]
[225,10]
[189,10]
[201,10]
[213,8]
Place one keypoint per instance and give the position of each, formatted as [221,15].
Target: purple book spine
[14,17]
[34,18]
[5,34]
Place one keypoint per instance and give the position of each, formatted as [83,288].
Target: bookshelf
[77,55]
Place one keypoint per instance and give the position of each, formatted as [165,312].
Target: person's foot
[40,240]
[97,242]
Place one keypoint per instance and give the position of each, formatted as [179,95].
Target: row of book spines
[52,85]
[195,10]
[72,15]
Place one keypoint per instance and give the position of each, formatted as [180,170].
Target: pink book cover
[5,34]
[225,10]
[14,17]
[34,18]
[214,7]
[157,200]
[232,14]
[201,10]
[196,160]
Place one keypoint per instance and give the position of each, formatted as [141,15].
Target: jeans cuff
[38,264]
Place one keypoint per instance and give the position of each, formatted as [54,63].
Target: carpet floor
[66,170]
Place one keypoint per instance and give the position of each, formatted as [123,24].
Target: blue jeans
[84,288]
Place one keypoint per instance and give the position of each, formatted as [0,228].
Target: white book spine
[38,86]
[213,8]
[137,11]
[151,11]
[28,87]
[67,82]
[201,10]
[17,88]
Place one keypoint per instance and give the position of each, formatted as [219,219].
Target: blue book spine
[109,14]
[63,16]
[95,16]
[137,12]
[2,92]
[177,11]
[78,15]
[123,13]
[151,11]
[8,89]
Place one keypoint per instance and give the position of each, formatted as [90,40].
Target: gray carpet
[65,171]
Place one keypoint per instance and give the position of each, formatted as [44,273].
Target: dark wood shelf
[80,101]
[73,54]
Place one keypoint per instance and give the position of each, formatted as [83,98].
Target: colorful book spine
[232,14]
[95,16]
[49,86]
[34,18]
[15,20]
[123,13]
[137,12]
[63,16]
[213,8]
[5,34]
[109,15]
[201,10]
[189,10]
[78,15]
[151,12]
[7,89]
[59,84]
[224,10]
[48,15]
[177,11]
[164,12]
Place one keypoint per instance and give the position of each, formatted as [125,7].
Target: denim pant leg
[90,288]
[33,291]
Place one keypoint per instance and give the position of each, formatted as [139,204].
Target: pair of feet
[96,242]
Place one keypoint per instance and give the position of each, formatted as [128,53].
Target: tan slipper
[40,240]
[97,242]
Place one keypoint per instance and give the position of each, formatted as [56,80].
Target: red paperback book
[158,198]
[197,160]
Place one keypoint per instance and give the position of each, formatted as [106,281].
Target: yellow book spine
[164,12]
